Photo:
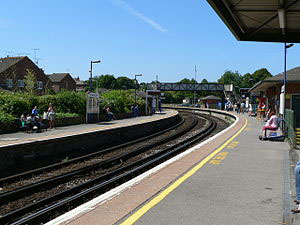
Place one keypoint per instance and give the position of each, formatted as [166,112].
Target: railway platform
[231,178]
[59,132]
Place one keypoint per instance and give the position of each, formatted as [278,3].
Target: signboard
[93,95]
[92,107]
[153,92]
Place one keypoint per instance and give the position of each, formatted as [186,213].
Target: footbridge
[227,89]
[195,87]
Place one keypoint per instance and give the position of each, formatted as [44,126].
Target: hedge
[66,103]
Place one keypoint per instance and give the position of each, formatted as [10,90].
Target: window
[9,83]
[40,84]
[21,83]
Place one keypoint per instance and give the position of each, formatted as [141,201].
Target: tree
[261,74]
[105,81]
[187,81]
[125,83]
[230,77]
[248,80]
[30,81]
[204,81]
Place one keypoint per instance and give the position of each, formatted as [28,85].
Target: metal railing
[290,126]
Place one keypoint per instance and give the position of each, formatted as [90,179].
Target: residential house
[13,71]
[62,81]
[80,84]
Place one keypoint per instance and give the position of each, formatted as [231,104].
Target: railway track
[41,197]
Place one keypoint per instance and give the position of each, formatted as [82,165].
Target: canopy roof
[261,20]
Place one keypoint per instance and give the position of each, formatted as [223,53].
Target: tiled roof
[292,75]
[57,77]
[79,82]
[7,62]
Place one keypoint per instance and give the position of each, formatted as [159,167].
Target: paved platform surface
[233,180]
[23,137]
[244,187]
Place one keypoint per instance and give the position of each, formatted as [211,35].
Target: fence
[290,126]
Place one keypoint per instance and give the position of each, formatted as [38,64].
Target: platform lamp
[91,73]
[137,75]
[286,46]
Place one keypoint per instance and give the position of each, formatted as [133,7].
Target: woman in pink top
[271,124]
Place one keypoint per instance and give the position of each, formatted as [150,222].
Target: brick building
[13,71]
[270,89]
[62,81]
[80,84]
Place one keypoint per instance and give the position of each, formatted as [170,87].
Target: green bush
[120,101]
[6,118]
[64,115]
[65,103]
[13,104]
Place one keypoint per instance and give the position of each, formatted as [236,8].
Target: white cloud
[122,4]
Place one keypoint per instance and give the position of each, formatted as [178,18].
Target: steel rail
[29,174]
[54,181]
[134,167]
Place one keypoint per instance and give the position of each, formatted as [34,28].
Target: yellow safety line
[139,213]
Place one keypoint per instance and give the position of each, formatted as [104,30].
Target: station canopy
[261,20]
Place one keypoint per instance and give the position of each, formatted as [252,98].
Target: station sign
[93,95]
[153,92]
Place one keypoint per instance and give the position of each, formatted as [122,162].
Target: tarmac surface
[244,186]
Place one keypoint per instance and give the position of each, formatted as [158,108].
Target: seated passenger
[271,124]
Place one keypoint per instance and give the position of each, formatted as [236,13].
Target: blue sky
[150,37]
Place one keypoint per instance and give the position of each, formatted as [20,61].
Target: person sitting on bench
[271,124]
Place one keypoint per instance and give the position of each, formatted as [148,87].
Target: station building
[270,89]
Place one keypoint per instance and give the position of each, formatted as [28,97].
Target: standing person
[51,116]
[35,111]
[250,109]
[136,111]
[238,107]
[133,110]
[159,106]
[153,105]
[242,107]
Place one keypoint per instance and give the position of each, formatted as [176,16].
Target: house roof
[80,82]
[210,97]
[292,75]
[260,20]
[7,62]
[57,77]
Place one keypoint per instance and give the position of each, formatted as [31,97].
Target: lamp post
[137,75]
[284,75]
[195,86]
[91,73]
